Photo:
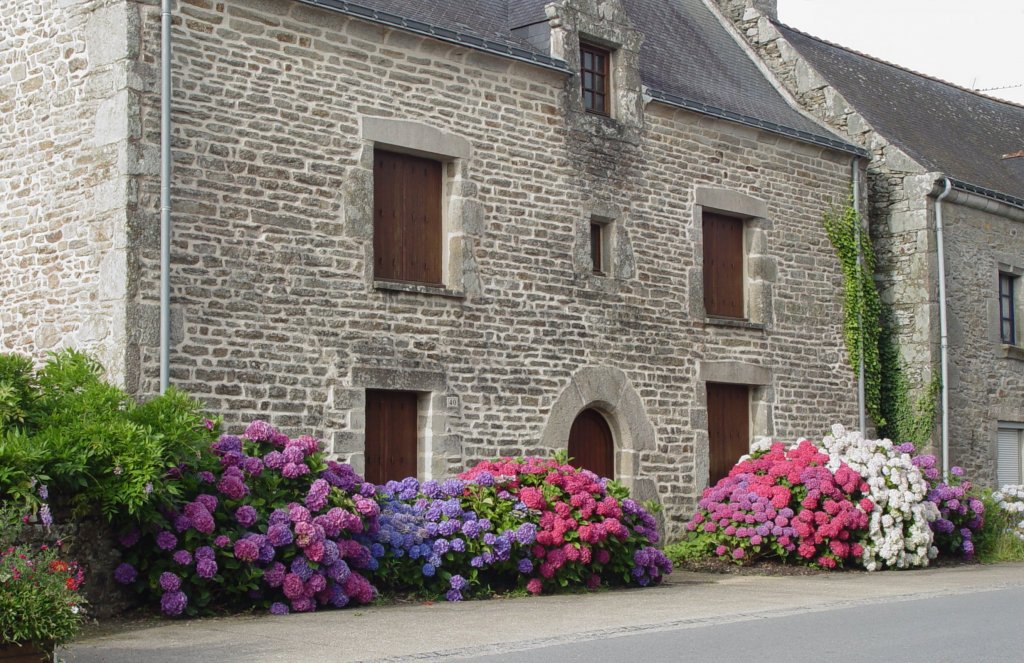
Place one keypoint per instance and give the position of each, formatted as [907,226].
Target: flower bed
[528,522]
[784,503]
[851,500]
[263,521]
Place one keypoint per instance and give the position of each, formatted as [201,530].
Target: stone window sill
[418,288]
[735,323]
[1013,352]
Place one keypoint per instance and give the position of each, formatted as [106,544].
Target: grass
[999,539]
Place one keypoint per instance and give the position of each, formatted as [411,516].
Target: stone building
[614,243]
[923,134]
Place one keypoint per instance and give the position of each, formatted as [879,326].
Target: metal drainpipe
[855,165]
[165,194]
[943,328]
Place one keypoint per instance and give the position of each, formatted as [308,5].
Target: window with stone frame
[407,218]
[600,247]
[724,266]
[595,78]
[1009,291]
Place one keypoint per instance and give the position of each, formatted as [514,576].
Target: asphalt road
[963,614]
[983,626]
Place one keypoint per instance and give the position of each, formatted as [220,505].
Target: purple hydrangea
[166,540]
[246,516]
[294,470]
[316,498]
[125,573]
[208,501]
[173,603]
[453,595]
[260,431]
[278,608]
[247,550]
[222,541]
[130,537]
[459,583]
[182,557]
[205,552]
[207,477]
[253,466]
[206,568]
[279,535]
[169,582]
[274,575]
[233,486]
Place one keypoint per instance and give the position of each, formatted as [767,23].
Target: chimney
[734,9]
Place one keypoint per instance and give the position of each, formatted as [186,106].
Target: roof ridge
[896,66]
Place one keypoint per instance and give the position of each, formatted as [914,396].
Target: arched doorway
[591,445]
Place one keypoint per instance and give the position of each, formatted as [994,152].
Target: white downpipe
[861,406]
[165,194]
[943,328]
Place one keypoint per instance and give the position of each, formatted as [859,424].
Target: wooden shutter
[728,427]
[591,445]
[1008,465]
[407,241]
[723,265]
[391,435]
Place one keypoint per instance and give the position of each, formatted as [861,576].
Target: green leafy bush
[89,440]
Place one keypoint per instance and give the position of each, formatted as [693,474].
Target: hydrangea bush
[961,514]
[529,522]
[263,521]
[784,503]
[899,535]
[1010,500]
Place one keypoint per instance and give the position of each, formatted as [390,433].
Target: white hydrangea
[898,532]
[1010,499]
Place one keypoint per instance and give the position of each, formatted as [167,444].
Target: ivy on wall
[869,331]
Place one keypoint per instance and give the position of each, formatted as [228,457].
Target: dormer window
[594,65]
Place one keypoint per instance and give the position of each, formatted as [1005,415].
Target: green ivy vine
[869,331]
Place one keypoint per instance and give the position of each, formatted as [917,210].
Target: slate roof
[943,127]
[688,58]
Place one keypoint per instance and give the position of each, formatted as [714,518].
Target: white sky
[972,43]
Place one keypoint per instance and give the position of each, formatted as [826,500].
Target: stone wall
[896,189]
[276,313]
[64,164]
[986,377]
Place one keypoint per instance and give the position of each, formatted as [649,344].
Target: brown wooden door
[390,435]
[723,265]
[407,241]
[728,427]
[591,445]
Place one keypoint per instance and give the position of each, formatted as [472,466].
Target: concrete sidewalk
[453,630]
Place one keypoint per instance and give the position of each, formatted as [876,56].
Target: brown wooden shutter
[407,241]
[391,435]
[591,445]
[723,265]
[728,427]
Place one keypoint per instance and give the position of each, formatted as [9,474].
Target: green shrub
[1000,537]
[89,440]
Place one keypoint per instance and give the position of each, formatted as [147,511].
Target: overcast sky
[972,43]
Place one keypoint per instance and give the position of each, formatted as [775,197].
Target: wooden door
[591,445]
[391,434]
[407,241]
[723,265]
[728,427]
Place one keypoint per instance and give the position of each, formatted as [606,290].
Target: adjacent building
[938,152]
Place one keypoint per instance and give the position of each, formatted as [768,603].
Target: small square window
[1008,287]
[594,79]
[724,257]
[407,225]
[1009,441]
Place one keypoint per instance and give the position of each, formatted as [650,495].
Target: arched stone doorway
[607,391]
[591,444]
